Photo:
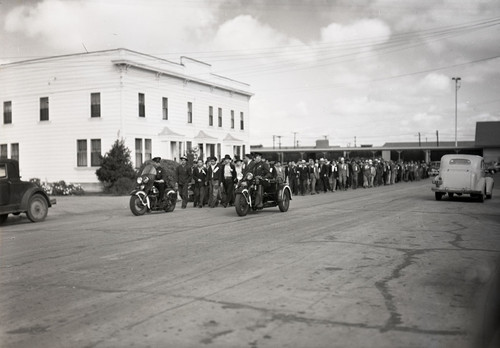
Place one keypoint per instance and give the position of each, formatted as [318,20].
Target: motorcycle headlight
[243,184]
[146,179]
[139,180]
[249,176]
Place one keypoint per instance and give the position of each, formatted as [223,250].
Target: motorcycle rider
[262,174]
[158,180]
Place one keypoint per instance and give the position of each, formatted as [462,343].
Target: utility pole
[279,141]
[419,144]
[354,141]
[294,137]
[437,138]
[457,86]
[274,138]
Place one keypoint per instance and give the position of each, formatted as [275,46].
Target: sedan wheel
[37,208]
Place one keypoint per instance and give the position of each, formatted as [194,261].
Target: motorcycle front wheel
[241,205]
[285,203]
[136,206]
[171,205]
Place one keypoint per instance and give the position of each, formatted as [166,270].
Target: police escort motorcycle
[146,198]
[275,193]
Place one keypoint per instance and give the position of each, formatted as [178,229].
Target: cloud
[110,24]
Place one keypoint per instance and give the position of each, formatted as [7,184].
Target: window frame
[81,153]
[142,104]
[95,105]
[189,112]
[210,116]
[7,112]
[95,152]
[219,117]
[44,109]
[164,106]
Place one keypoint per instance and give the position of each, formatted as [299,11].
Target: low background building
[60,113]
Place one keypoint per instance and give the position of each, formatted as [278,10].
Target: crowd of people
[212,182]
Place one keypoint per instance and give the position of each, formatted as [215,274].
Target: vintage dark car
[17,196]
[462,174]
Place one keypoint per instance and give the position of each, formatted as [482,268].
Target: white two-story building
[60,113]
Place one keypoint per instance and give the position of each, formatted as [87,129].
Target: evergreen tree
[115,164]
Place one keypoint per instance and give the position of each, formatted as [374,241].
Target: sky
[354,72]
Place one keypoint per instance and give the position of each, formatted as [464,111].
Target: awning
[204,136]
[230,139]
[170,134]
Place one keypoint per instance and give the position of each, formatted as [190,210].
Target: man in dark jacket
[200,181]
[262,173]
[184,175]
[227,179]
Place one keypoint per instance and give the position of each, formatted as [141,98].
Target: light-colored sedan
[463,174]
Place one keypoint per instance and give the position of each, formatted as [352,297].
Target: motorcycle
[276,193]
[146,196]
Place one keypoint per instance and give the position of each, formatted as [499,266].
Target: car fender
[142,196]
[246,194]
[489,185]
[32,191]
[282,193]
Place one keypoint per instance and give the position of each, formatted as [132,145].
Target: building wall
[48,149]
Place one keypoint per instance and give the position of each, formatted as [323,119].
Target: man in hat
[325,171]
[262,173]
[238,165]
[184,175]
[249,164]
[214,182]
[200,182]
[343,174]
[228,179]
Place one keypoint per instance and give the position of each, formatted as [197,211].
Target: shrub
[115,164]
[122,186]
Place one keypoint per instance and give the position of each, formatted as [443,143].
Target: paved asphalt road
[382,267]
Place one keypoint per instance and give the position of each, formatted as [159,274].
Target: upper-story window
[219,117]
[44,109]
[242,121]
[232,119]
[210,115]
[7,112]
[95,104]
[142,105]
[190,112]
[165,108]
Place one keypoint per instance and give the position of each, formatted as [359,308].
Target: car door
[4,185]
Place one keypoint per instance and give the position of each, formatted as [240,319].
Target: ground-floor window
[14,151]
[95,152]
[81,152]
[3,151]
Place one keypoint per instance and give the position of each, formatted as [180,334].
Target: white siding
[48,149]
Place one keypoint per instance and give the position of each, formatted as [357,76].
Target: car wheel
[37,208]
[438,196]
[3,218]
[450,194]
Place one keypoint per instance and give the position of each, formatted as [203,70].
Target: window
[147,149]
[242,121]
[210,116]
[232,119]
[14,151]
[7,112]
[220,117]
[95,104]
[190,112]
[95,152]
[3,171]
[138,152]
[81,153]
[44,109]
[3,151]
[165,108]
[460,161]
[142,105]
[189,146]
